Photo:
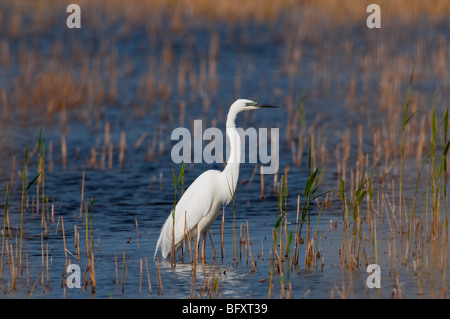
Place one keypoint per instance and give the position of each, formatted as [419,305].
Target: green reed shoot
[357,200]
[309,194]
[441,174]
[41,181]
[311,188]
[406,119]
[282,206]
[176,182]
[438,172]
[24,192]
[412,218]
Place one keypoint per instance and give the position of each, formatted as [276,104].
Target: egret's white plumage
[200,204]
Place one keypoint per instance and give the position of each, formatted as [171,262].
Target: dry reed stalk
[295,254]
[250,249]
[158,279]
[41,274]
[48,277]
[103,158]
[123,146]
[75,241]
[140,275]
[12,264]
[92,273]
[138,234]
[82,195]
[140,140]
[241,241]
[64,241]
[28,274]
[93,162]
[271,267]
[123,272]
[107,134]
[393,231]
[148,276]
[42,257]
[50,157]
[86,222]
[64,151]
[5,104]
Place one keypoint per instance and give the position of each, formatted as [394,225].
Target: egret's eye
[251,104]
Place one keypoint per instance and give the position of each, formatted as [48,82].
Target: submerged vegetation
[363,156]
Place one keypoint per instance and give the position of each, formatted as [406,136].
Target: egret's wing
[195,203]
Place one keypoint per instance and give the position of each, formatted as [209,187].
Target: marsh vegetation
[86,176]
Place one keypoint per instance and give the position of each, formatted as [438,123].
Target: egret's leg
[197,246]
[203,246]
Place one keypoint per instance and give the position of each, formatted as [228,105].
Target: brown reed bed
[388,172]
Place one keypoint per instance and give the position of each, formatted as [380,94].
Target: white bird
[200,204]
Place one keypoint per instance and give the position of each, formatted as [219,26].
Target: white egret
[200,204]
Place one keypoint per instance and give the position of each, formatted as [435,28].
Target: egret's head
[246,105]
[243,105]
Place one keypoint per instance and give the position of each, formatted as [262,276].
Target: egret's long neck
[231,171]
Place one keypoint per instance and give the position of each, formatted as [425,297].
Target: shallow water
[141,191]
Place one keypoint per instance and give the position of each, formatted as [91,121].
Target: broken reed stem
[250,249]
[148,277]
[41,274]
[158,279]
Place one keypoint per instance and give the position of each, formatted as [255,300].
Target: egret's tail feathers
[163,242]
[158,243]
